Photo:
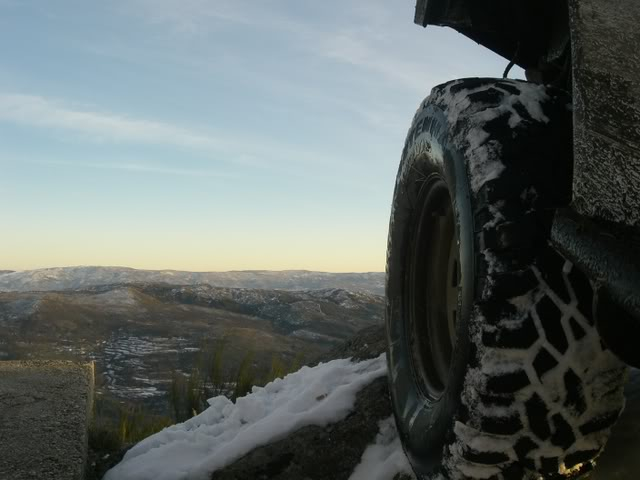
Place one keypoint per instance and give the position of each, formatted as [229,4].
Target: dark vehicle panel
[532,34]
[606,71]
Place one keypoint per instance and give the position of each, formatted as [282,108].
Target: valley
[140,335]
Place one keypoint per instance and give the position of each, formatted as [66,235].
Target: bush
[188,393]
[245,377]
[117,424]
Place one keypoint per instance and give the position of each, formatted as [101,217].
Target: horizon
[252,270]
[211,136]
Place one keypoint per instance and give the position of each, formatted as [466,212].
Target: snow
[484,156]
[128,358]
[467,119]
[384,458]
[309,335]
[598,369]
[226,431]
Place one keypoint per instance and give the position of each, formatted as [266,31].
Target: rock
[369,342]
[324,453]
[101,459]
[318,453]
[45,408]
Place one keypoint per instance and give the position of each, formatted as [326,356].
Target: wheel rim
[434,283]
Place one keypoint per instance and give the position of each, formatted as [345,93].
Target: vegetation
[117,424]
[245,378]
[212,376]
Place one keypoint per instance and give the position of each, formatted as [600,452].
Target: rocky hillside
[139,334]
[328,314]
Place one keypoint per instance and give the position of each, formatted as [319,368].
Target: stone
[45,409]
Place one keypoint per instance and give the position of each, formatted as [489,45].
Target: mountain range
[74,278]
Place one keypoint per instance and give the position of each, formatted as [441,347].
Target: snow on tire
[530,391]
[545,392]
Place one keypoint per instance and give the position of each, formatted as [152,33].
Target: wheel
[496,370]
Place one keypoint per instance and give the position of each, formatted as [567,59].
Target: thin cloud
[198,17]
[139,168]
[387,117]
[356,51]
[40,112]
[361,41]
[36,111]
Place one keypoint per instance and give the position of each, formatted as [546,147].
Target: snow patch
[600,374]
[384,458]
[226,431]
[310,335]
[483,156]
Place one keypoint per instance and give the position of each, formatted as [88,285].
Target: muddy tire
[496,369]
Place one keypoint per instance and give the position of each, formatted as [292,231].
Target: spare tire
[496,369]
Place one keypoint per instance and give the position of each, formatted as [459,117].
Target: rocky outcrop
[367,343]
[324,453]
[45,408]
[329,453]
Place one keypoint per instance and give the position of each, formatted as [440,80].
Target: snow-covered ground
[226,431]
[127,371]
[384,458]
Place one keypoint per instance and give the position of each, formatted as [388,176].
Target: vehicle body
[513,261]
[591,49]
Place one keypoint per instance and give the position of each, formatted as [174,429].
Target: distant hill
[138,334]
[78,278]
[2,272]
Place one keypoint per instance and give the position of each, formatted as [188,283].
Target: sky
[211,135]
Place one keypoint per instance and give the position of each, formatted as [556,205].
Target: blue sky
[210,135]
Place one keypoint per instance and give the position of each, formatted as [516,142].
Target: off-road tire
[531,391]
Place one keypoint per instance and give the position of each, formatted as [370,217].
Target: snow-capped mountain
[74,278]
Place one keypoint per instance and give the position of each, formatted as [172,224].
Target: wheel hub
[434,283]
